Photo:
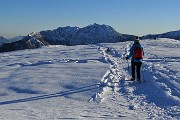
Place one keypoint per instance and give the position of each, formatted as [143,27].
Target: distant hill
[17,38]
[172,35]
[91,34]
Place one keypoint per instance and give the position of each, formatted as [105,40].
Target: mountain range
[69,36]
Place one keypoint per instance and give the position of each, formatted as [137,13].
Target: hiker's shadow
[64,93]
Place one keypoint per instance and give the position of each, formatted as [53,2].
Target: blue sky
[137,17]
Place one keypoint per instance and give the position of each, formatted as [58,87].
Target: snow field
[87,82]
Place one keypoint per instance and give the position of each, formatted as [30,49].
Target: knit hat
[136,39]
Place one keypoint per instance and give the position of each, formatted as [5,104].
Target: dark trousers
[136,65]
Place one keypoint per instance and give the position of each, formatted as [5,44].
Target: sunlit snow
[87,82]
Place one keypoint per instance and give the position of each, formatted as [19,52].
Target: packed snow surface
[87,82]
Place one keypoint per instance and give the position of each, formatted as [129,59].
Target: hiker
[108,50]
[137,53]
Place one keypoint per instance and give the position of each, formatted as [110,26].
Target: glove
[127,58]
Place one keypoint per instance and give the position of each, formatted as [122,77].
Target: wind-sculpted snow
[89,82]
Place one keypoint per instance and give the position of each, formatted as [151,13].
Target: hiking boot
[132,79]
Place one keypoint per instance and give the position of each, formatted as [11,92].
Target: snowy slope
[87,82]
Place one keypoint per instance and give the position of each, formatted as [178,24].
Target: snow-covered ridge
[172,35]
[95,33]
[91,34]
